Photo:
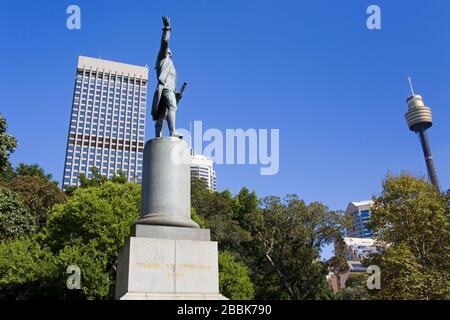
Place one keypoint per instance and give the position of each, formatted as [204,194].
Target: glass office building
[359,212]
[107,122]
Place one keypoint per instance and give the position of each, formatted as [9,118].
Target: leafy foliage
[38,194]
[97,216]
[355,287]
[96,180]
[7,146]
[28,272]
[15,218]
[31,170]
[289,234]
[217,209]
[234,281]
[412,223]
[278,243]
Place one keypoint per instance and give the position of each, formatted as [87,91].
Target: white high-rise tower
[202,168]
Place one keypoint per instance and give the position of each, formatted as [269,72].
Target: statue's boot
[171,123]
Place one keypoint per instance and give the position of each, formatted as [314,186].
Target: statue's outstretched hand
[166,21]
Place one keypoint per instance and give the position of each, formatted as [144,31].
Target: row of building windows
[93,149]
[99,85]
[110,122]
[111,77]
[110,127]
[116,94]
[96,108]
[105,151]
[108,107]
[110,100]
[102,132]
[108,135]
[88,115]
[75,180]
[91,110]
[105,162]
[125,120]
[105,154]
[107,145]
[112,168]
[113,134]
[91,163]
[84,151]
[100,123]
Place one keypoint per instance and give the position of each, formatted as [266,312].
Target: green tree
[33,271]
[27,270]
[120,178]
[7,146]
[97,218]
[15,219]
[234,281]
[96,180]
[88,231]
[97,280]
[38,194]
[103,214]
[218,209]
[338,264]
[411,221]
[355,287]
[197,219]
[289,235]
[32,170]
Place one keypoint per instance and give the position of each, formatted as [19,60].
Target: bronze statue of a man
[166,98]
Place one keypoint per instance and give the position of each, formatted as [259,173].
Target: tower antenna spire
[419,120]
[411,86]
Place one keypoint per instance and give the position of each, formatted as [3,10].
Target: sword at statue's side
[180,94]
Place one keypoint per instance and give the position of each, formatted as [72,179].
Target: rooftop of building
[359,241]
[358,205]
[113,67]
[362,203]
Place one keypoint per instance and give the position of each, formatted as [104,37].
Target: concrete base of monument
[157,268]
[171,296]
[165,232]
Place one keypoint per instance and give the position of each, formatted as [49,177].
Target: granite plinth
[152,268]
[166,232]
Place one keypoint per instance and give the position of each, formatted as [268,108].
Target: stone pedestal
[166,183]
[167,256]
[158,269]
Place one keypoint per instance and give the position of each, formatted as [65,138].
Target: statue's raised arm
[164,49]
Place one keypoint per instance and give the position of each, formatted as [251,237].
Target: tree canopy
[7,146]
[411,222]
[38,194]
[278,240]
[31,170]
[15,218]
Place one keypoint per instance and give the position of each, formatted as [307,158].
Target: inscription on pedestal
[171,266]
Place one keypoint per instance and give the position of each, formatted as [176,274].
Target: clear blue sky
[312,69]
